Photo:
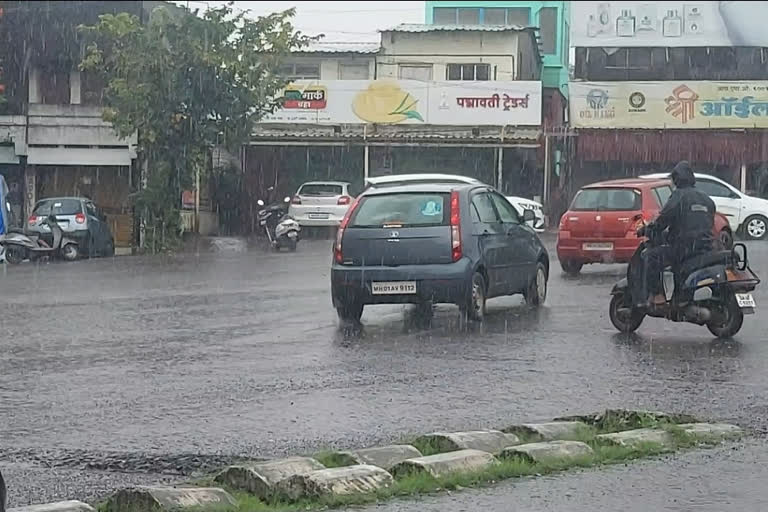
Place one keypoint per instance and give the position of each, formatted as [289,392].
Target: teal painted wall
[555,72]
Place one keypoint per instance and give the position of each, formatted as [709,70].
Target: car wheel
[571,267]
[69,252]
[15,255]
[474,307]
[536,293]
[756,227]
[350,312]
[726,239]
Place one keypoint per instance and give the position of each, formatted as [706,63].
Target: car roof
[418,187]
[629,182]
[342,183]
[696,174]
[422,177]
[62,198]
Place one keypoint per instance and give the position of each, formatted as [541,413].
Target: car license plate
[745,300]
[393,287]
[607,246]
[318,215]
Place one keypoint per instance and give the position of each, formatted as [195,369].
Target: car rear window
[403,210]
[58,207]
[662,194]
[607,199]
[320,190]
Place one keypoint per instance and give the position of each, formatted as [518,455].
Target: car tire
[756,227]
[350,312]
[69,252]
[536,293]
[726,239]
[571,268]
[474,305]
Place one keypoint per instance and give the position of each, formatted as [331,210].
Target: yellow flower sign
[385,102]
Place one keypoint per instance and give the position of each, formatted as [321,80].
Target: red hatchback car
[601,224]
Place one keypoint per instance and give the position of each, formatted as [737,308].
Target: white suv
[747,215]
[320,203]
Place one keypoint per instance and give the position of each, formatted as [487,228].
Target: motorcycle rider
[690,215]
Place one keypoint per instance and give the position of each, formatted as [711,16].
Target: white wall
[439,48]
[329,66]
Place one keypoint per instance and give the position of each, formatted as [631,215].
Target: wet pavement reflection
[142,366]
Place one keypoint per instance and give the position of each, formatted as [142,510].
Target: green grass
[331,459]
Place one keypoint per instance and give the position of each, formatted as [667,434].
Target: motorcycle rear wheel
[15,255]
[69,252]
[734,319]
[624,321]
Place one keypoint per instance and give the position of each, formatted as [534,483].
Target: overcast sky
[339,21]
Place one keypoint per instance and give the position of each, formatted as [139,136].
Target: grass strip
[422,483]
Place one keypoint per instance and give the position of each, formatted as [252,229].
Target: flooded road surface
[115,371]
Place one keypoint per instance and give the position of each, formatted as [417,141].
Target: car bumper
[573,250]
[332,220]
[445,283]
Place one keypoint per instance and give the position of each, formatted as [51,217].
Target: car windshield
[607,199]
[321,190]
[58,207]
[404,209]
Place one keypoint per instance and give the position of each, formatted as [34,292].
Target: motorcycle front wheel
[624,319]
[731,318]
[14,254]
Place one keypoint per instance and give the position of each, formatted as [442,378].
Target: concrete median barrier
[344,481]
[549,450]
[384,457]
[633,438]
[61,506]
[722,430]
[462,461]
[163,499]
[260,478]
[548,431]
[491,441]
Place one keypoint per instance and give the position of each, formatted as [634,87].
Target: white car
[520,203]
[747,215]
[320,203]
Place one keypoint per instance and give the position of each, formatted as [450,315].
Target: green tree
[183,82]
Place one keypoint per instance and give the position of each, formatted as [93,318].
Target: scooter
[20,246]
[711,289]
[282,230]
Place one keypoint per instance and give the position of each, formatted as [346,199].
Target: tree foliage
[184,82]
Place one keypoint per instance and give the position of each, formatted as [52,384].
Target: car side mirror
[260,202]
[528,215]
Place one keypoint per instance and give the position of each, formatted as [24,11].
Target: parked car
[320,203]
[747,215]
[79,219]
[425,243]
[520,203]
[601,224]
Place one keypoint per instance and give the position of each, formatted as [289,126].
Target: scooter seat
[705,260]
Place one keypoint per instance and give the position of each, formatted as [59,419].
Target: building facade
[653,86]
[457,99]
[551,18]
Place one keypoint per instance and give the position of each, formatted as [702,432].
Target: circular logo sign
[637,100]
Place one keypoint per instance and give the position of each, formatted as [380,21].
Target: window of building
[495,17]
[54,87]
[300,71]
[469,16]
[468,72]
[548,30]
[519,16]
[444,15]
[354,71]
[421,72]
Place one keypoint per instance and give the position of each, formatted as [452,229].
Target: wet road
[133,369]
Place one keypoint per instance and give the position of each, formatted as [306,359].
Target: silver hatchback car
[79,219]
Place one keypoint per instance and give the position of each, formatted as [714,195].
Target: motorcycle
[20,246]
[711,289]
[282,230]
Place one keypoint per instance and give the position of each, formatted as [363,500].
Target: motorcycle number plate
[745,300]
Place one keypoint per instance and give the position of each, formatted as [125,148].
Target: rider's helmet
[682,175]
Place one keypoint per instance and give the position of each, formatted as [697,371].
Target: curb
[450,460]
